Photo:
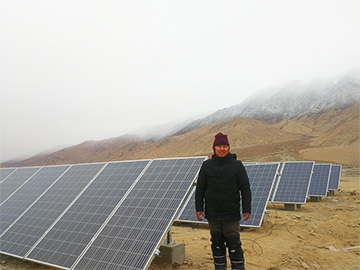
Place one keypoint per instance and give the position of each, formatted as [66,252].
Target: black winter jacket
[219,183]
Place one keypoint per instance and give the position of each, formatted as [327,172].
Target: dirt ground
[319,235]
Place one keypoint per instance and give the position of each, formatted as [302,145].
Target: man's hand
[200,215]
[246,216]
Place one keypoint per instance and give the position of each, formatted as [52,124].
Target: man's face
[221,150]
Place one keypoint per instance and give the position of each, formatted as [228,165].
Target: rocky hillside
[290,101]
[328,136]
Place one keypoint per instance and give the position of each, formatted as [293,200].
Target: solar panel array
[291,183]
[93,216]
[114,215]
[262,177]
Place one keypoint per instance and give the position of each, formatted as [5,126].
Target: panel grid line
[25,198]
[18,179]
[18,240]
[5,173]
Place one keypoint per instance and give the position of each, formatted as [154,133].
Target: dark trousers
[226,232]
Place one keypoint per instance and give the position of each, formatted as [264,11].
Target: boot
[236,253]
[218,250]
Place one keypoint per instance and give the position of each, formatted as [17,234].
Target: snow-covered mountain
[290,101]
[157,133]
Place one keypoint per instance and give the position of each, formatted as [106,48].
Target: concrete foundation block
[173,253]
[265,218]
[315,199]
[291,207]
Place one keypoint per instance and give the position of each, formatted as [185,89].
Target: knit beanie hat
[221,139]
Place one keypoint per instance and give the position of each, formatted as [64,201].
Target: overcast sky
[75,70]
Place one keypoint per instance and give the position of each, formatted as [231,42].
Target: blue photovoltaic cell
[12,208]
[5,172]
[334,182]
[63,244]
[261,178]
[27,230]
[130,238]
[293,184]
[320,180]
[14,181]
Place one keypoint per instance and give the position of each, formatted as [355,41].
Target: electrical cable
[254,241]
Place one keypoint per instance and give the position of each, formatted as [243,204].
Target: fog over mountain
[326,109]
[289,101]
[159,132]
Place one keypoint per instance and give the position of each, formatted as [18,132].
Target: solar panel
[272,192]
[66,240]
[320,180]
[27,230]
[188,212]
[293,184]
[132,235]
[5,172]
[15,180]
[14,206]
[261,177]
[334,182]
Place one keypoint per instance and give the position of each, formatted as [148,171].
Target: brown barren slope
[331,136]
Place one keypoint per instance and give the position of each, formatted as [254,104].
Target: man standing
[221,179]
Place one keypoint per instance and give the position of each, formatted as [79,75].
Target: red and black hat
[221,139]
